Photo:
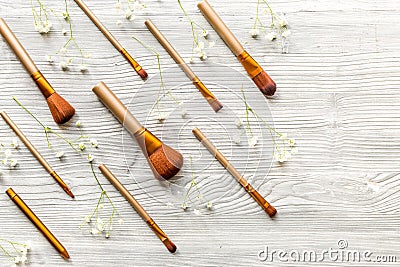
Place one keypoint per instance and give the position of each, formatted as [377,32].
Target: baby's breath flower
[82,147]
[294,150]
[211,44]
[94,143]
[64,31]
[83,67]
[282,21]
[49,58]
[15,143]
[60,154]
[238,123]
[119,22]
[286,33]
[63,50]
[197,212]
[7,153]
[88,218]
[120,221]
[63,65]
[270,36]
[162,116]
[254,32]
[184,206]
[209,205]
[13,163]
[291,142]
[90,157]
[253,141]
[78,123]
[101,206]
[204,33]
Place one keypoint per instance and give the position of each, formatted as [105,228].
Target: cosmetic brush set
[164,161]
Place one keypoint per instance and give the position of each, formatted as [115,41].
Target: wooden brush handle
[220,27]
[111,101]
[170,49]
[16,46]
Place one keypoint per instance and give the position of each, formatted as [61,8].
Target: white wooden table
[337,95]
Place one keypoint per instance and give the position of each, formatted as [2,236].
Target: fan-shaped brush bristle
[142,73]
[215,104]
[166,161]
[266,85]
[61,110]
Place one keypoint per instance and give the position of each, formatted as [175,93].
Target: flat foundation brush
[164,161]
[60,109]
[266,85]
[211,99]
[268,208]
[139,70]
[139,209]
[36,153]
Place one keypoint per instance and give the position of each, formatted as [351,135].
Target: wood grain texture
[337,95]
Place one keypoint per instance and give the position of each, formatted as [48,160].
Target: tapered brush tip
[271,211]
[266,85]
[142,73]
[215,105]
[170,245]
[60,109]
[166,162]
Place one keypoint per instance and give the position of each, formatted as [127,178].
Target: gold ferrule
[157,230]
[250,65]
[44,86]
[147,141]
[131,61]
[203,89]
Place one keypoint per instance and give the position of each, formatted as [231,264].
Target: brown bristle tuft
[271,211]
[61,110]
[215,104]
[266,85]
[166,161]
[170,245]
[142,73]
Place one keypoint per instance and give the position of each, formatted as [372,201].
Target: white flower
[88,218]
[82,147]
[101,205]
[94,231]
[201,45]
[13,163]
[69,60]
[120,221]
[60,154]
[64,31]
[204,33]
[28,245]
[94,143]
[254,32]
[7,153]
[184,206]
[283,136]
[63,50]
[211,44]
[203,56]
[90,157]
[294,151]
[119,22]
[87,55]
[253,141]
[209,205]
[197,212]
[107,235]
[49,58]
[78,123]
[15,143]
[17,260]
[23,259]
[183,113]
[236,139]
[63,65]
[291,142]
[286,33]
[117,5]
[65,15]
[271,36]
[128,14]
[282,21]
[238,123]
[83,67]
[162,116]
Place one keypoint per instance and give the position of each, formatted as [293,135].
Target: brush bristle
[170,245]
[266,85]
[216,105]
[166,161]
[271,211]
[142,73]
[61,110]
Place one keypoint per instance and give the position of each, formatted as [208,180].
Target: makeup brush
[268,208]
[139,70]
[164,161]
[36,153]
[60,109]
[266,85]
[211,99]
[139,209]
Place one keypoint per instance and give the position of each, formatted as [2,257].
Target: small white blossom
[294,151]
[254,32]
[107,235]
[88,218]
[291,142]
[15,143]
[253,141]
[271,36]
[90,157]
[203,56]
[63,65]
[286,33]
[86,55]
[64,31]
[78,123]
[82,147]
[7,153]
[236,139]
[117,5]
[119,22]
[94,231]
[209,205]
[49,58]
[162,116]
[28,245]
[63,50]
[283,136]
[101,205]
[83,67]
[65,15]
[128,14]
[204,33]
[60,154]
[184,206]
[94,142]
[238,123]
[197,212]
[120,221]
[211,44]
[13,163]
[183,113]
[282,21]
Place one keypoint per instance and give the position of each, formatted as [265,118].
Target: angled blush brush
[268,208]
[60,109]
[139,209]
[266,85]
[139,70]
[164,161]
[211,99]
[36,153]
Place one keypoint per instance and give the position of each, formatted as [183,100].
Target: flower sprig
[129,8]
[284,147]
[6,156]
[16,252]
[42,14]
[276,30]
[199,35]
[163,90]
[79,145]
[193,185]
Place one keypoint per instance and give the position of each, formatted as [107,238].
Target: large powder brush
[164,161]
[266,85]
[60,109]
